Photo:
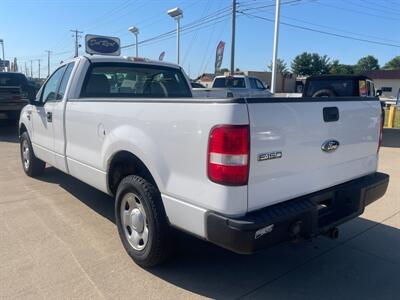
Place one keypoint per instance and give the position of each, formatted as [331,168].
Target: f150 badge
[330,145]
[269,155]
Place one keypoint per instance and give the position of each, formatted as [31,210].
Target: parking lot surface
[58,240]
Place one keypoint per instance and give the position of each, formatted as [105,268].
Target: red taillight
[228,154]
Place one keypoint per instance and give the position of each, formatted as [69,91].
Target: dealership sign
[4,64]
[104,45]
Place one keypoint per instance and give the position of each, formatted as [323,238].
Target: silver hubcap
[25,154]
[134,221]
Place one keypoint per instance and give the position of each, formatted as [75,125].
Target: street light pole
[135,31]
[178,39]
[177,14]
[233,36]
[275,50]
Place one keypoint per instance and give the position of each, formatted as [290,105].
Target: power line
[191,25]
[323,32]
[364,13]
[334,28]
[194,37]
[378,8]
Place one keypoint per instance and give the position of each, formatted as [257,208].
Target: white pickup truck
[233,86]
[243,173]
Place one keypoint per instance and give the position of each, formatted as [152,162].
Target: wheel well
[22,129]
[123,164]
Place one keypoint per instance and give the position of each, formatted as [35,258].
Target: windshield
[13,80]
[229,82]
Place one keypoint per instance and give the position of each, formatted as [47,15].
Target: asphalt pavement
[58,240]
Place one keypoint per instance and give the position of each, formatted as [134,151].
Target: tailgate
[287,137]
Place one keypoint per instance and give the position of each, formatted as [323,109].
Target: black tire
[157,247]
[324,93]
[34,167]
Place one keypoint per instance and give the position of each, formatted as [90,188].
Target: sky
[30,27]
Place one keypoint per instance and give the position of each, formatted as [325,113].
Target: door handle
[49,116]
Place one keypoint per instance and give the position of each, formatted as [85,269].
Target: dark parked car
[339,86]
[15,92]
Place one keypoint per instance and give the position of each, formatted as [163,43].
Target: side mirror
[378,93]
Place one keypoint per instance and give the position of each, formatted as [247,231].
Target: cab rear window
[116,80]
[335,87]
[229,82]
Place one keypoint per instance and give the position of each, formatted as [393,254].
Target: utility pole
[76,35]
[275,50]
[39,67]
[233,36]
[31,69]
[26,70]
[48,62]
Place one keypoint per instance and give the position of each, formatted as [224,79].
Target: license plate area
[333,207]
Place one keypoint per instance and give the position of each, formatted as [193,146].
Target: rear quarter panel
[170,137]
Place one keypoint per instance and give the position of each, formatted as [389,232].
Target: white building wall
[393,83]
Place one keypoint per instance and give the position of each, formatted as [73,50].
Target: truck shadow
[9,131]
[391,137]
[363,263]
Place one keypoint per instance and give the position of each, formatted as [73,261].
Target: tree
[309,64]
[340,69]
[367,63]
[281,66]
[222,71]
[393,64]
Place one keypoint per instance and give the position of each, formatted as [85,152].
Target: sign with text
[4,63]
[103,45]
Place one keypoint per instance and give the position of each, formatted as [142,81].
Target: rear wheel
[30,163]
[141,221]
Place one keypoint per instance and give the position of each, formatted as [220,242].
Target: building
[386,80]
[205,79]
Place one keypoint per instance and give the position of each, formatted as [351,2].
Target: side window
[260,85]
[50,89]
[253,84]
[64,81]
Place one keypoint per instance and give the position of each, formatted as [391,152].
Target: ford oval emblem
[102,45]
[330,145]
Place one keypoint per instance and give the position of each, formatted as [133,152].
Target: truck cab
[339,86]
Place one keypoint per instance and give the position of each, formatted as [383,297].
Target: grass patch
[396,118]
